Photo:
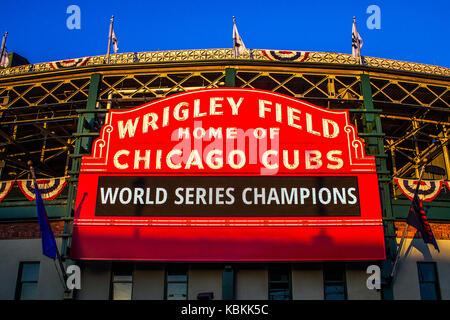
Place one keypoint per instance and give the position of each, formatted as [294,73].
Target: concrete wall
[95,280]
[252,284]
[204,280]
[357,287]
[12,252]
[148,283]
[406,285]
[307,284]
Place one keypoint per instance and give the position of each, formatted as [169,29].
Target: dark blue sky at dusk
[416,31]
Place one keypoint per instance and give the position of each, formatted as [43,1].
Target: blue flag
[418,219]
[48,240]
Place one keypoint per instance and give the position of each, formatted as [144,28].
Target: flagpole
[405,230]
[4,41]
[3,44]
[357,41]
[359,45]
[109,39]
[58,256]
[234,40]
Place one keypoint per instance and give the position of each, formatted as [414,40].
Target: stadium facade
[52,114]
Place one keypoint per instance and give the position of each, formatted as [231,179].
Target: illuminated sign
[242,196]
[228,175]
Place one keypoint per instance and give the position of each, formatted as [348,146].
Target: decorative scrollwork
[227,54]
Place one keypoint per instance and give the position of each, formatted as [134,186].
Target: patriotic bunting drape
[5,188]
[428,189]
[69,63]
[49,188]
[285,55]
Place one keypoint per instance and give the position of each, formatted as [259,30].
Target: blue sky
[416,31]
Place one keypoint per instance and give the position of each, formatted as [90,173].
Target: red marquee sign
[228,175]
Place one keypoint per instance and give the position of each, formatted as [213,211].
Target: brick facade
[30,230]
[27,230]
[441,231]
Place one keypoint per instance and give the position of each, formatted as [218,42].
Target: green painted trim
[94,86]
[230,77]
[27,212]
[86,134]
[75,155]
[92,111]
[366,91]
[26,203]
[374,143]
[436,210]
[81,143]
[228,280]
[363,110]
[371,134]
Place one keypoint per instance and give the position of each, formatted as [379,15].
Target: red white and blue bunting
[69,63]
[49,188]
[5,188]
[285,55]
[428,189]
